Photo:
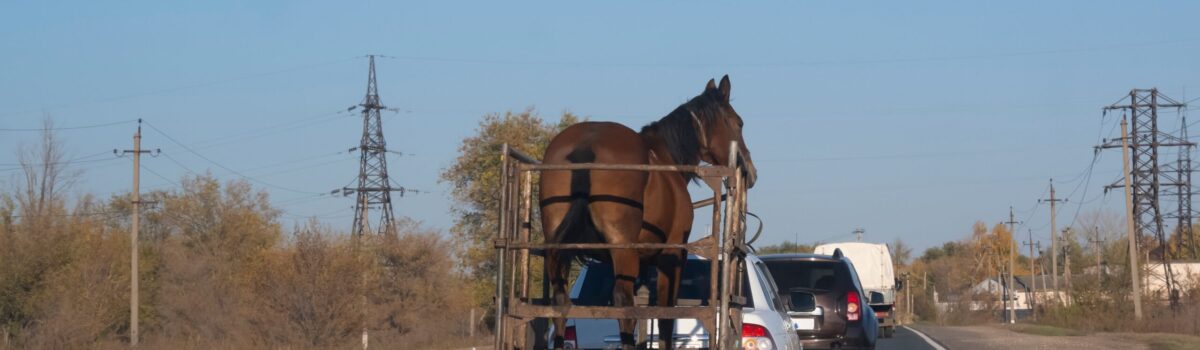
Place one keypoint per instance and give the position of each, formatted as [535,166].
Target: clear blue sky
[909,119]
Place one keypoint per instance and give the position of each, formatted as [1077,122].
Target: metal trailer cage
[725,245]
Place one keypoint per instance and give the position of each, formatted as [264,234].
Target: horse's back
[596,142]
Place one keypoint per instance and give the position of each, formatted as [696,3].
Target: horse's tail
[577,226]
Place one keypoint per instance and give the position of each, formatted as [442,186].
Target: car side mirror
[876,298]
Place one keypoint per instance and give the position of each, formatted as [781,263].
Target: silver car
[766,324]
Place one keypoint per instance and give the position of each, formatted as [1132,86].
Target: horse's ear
[712,85]
[725,87]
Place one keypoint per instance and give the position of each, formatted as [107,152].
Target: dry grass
[1165,341]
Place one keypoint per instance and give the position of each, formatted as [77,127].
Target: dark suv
[828,307]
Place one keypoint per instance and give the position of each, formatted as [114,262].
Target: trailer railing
[724,246]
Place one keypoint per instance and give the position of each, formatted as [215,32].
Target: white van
[873,263]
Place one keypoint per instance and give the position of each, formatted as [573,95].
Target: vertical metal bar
[739,240]
[526,226]
[729,265]
[511,219]
[500,253]
[714,264]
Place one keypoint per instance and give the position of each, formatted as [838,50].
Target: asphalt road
[904,339]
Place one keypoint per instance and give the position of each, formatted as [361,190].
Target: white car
[765,321]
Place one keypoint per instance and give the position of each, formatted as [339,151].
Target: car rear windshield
[598,283]
[820,275]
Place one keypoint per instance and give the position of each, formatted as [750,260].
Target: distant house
[1041,289]
[1022,291]
[998,288]
[1187,276]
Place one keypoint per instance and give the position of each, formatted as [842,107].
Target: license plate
[804,324]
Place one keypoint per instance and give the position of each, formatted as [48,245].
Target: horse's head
[724,126]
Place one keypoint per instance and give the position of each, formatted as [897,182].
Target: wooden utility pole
[1066,251]
[1097,247]
[1134,267]
[908,293]
[133,235]
[1032,295]
[1053,237]
[1009,298]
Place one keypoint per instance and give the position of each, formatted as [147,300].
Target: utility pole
[1053,236]
[1066,252]
[1097,247]
[858,232]
[1012,311]
[1134,267]
[1032,278]
[133,234]
[908,293]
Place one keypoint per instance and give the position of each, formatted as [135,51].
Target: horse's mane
[678,130]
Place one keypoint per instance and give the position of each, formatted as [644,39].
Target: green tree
[475,181]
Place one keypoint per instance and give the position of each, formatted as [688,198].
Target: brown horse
[610,206]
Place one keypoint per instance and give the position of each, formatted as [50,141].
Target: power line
[305,167]
[70,215]
[267,130]
[155,173]
[176,161]
[235,172]
[93,126]
[909,155]
[294,161]
[73,161]
[782,63]
[1086,184]
[181,88]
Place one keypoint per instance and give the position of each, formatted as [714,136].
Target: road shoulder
[994,337]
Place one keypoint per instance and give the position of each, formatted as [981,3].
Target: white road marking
[932,343]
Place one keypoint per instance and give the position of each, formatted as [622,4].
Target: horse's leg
[625,270]
[621,224]
[557,272]
[556,269]
[670,269]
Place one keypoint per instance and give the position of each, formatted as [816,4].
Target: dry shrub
[214,274]
[310,293]
[417,298]
[219,237]
[87,301]
[1105,306]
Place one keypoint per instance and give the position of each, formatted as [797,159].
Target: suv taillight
[756,337]
[569,340]
[852,307]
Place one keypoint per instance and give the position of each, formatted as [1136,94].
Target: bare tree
[44,175]
[901,252]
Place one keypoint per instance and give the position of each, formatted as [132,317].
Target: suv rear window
[598,283]
[820,275]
